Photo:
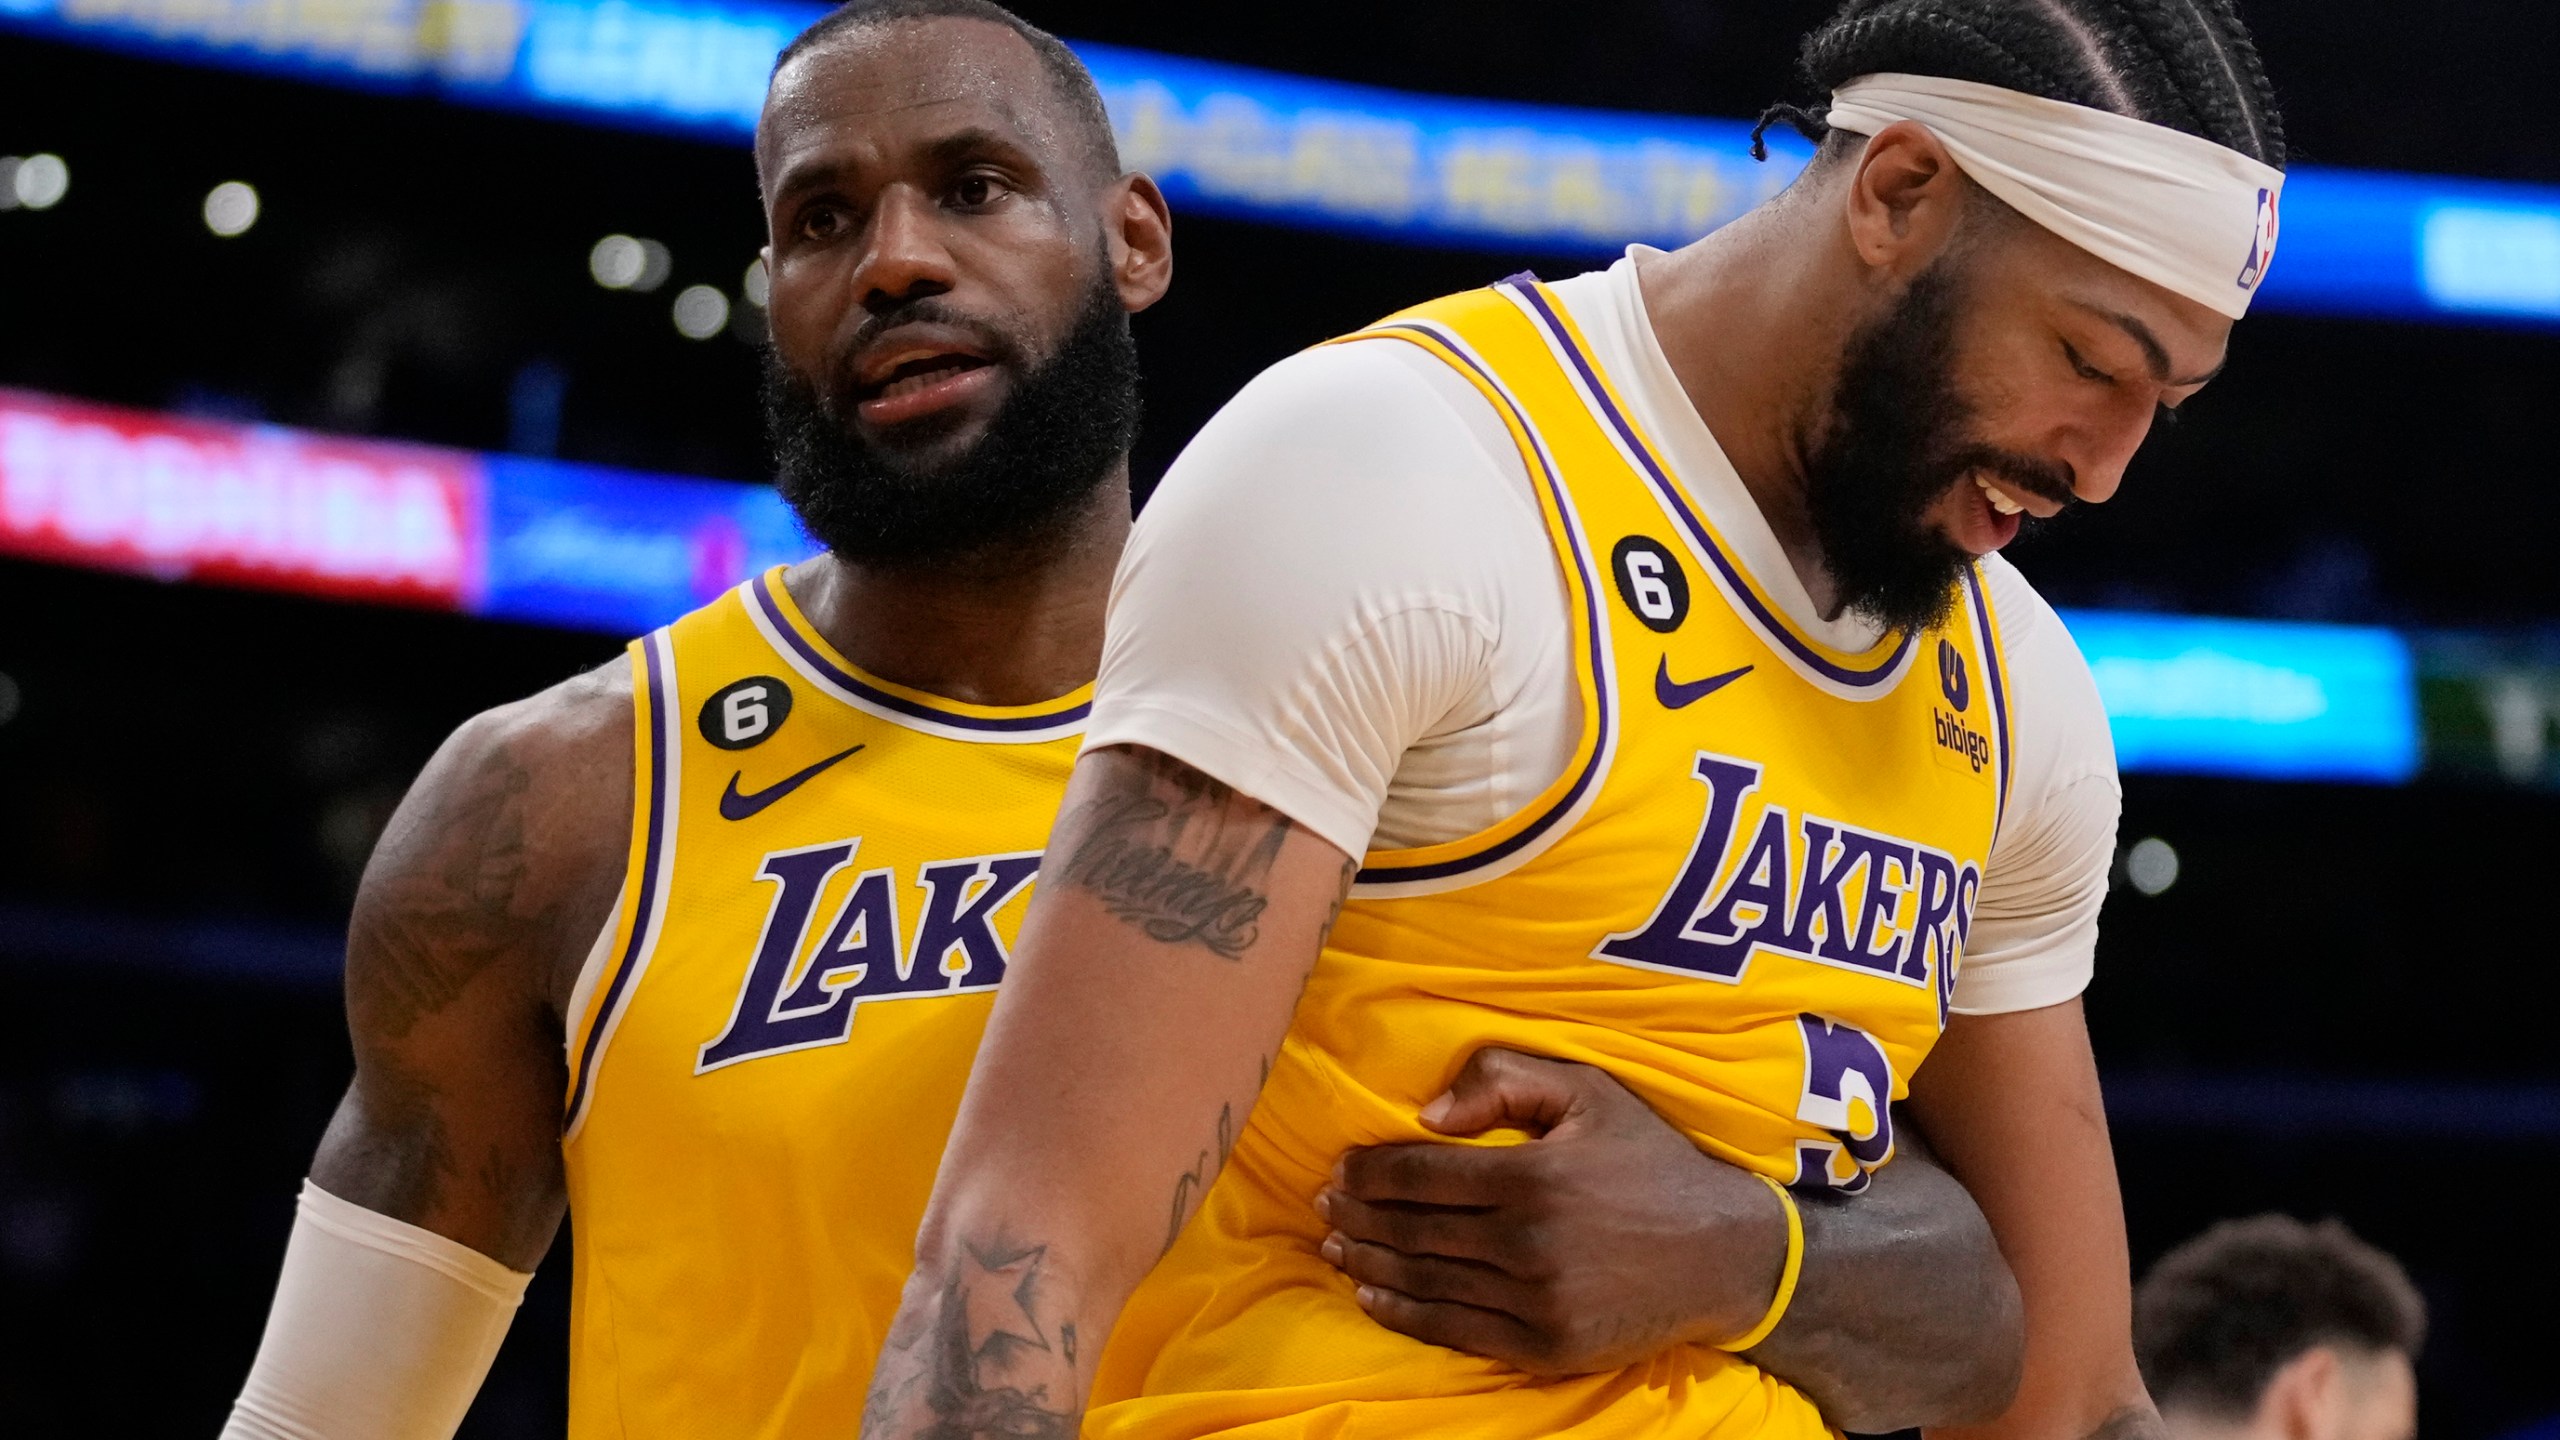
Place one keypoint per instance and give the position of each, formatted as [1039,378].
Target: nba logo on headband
[2159,204]
[2262,245]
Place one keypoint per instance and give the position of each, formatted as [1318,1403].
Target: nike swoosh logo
[734,806]
[1677,696]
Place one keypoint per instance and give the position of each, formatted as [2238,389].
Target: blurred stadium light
[2258,698]
[1255,145]
[550,542]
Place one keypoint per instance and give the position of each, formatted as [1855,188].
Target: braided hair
[2186,64]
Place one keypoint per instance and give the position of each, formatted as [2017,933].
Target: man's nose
[903,257]
[2103,451]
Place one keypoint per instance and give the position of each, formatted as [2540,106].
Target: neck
[1010,625]
[1752,319]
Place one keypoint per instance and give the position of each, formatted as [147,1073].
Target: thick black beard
[1060,434]
[1898,439]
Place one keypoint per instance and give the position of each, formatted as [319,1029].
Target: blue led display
[2263,699]
[1250,144]
[599,549]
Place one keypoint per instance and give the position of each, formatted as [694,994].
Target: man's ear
[2305,1399]
[1138,229]
[1906,198]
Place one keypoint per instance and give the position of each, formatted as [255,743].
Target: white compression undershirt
[1342,602]
[380,1330]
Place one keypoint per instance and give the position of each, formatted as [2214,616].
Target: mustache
[1001,346]
[2044,479]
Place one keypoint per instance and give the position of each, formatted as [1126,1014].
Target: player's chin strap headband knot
[2196,218]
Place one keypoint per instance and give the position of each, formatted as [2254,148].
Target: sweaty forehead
[909,79]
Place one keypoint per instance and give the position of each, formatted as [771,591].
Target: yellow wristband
[1786,1277]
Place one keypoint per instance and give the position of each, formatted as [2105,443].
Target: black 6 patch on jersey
[1652,583]
[745,712]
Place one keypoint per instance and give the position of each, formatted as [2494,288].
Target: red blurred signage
[183,499]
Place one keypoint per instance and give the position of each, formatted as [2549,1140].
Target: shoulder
[1344,412]
[565,751]
[1372,460]
[503,858]
[2060,720]
[2034,936]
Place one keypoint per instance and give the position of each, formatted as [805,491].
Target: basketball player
[699,946]
[1620,670]
[2271,1329]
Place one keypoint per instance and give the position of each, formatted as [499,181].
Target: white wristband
[380,1330]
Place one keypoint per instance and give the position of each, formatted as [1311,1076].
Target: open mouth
[901,382]
[910,376]
[1999,498]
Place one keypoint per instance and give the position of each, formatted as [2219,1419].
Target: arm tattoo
[1350,872]
[447,908]
[405,1150]
[1163,852]
[981,1363]
[1191,1185]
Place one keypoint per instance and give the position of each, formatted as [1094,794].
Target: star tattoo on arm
[990,1366]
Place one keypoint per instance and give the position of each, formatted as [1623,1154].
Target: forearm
[1021,1274]
[2011,1103]
[1155,976]
[1904,1313]
[1059,1197]
[380,1330]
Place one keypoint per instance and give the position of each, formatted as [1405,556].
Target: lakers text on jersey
[1746,897]
[826,871]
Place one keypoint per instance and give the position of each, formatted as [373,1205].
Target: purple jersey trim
[1674,500]
[1596,637]
[646,905]
[1999,686]
[872,694]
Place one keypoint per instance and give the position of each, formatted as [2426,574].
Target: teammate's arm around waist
[1611,1236]
[1174,928]
[438,1185]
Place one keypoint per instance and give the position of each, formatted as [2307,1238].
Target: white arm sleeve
[380,1330]
[2035,928]
[1319,586]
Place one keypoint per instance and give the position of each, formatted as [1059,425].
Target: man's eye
[2083,368]
[823,222]
[973,191]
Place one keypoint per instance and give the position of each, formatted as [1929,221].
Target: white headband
[2191,216]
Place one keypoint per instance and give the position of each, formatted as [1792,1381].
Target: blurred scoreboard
[1251,144]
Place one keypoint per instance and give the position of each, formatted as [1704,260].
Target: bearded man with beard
[1621,671]
[629,946]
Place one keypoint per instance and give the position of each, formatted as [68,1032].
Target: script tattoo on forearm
[1178,855]
[980,1361]
[1350,872]
[1193,1184]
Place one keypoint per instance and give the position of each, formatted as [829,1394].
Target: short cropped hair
[1067,75]
[2219,1315]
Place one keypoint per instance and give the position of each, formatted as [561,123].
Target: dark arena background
[2324,610]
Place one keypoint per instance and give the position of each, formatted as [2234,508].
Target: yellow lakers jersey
[1746,898]
[826,871]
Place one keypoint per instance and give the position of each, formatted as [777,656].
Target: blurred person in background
[1619,670]
[580,975]
[2271,1329]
